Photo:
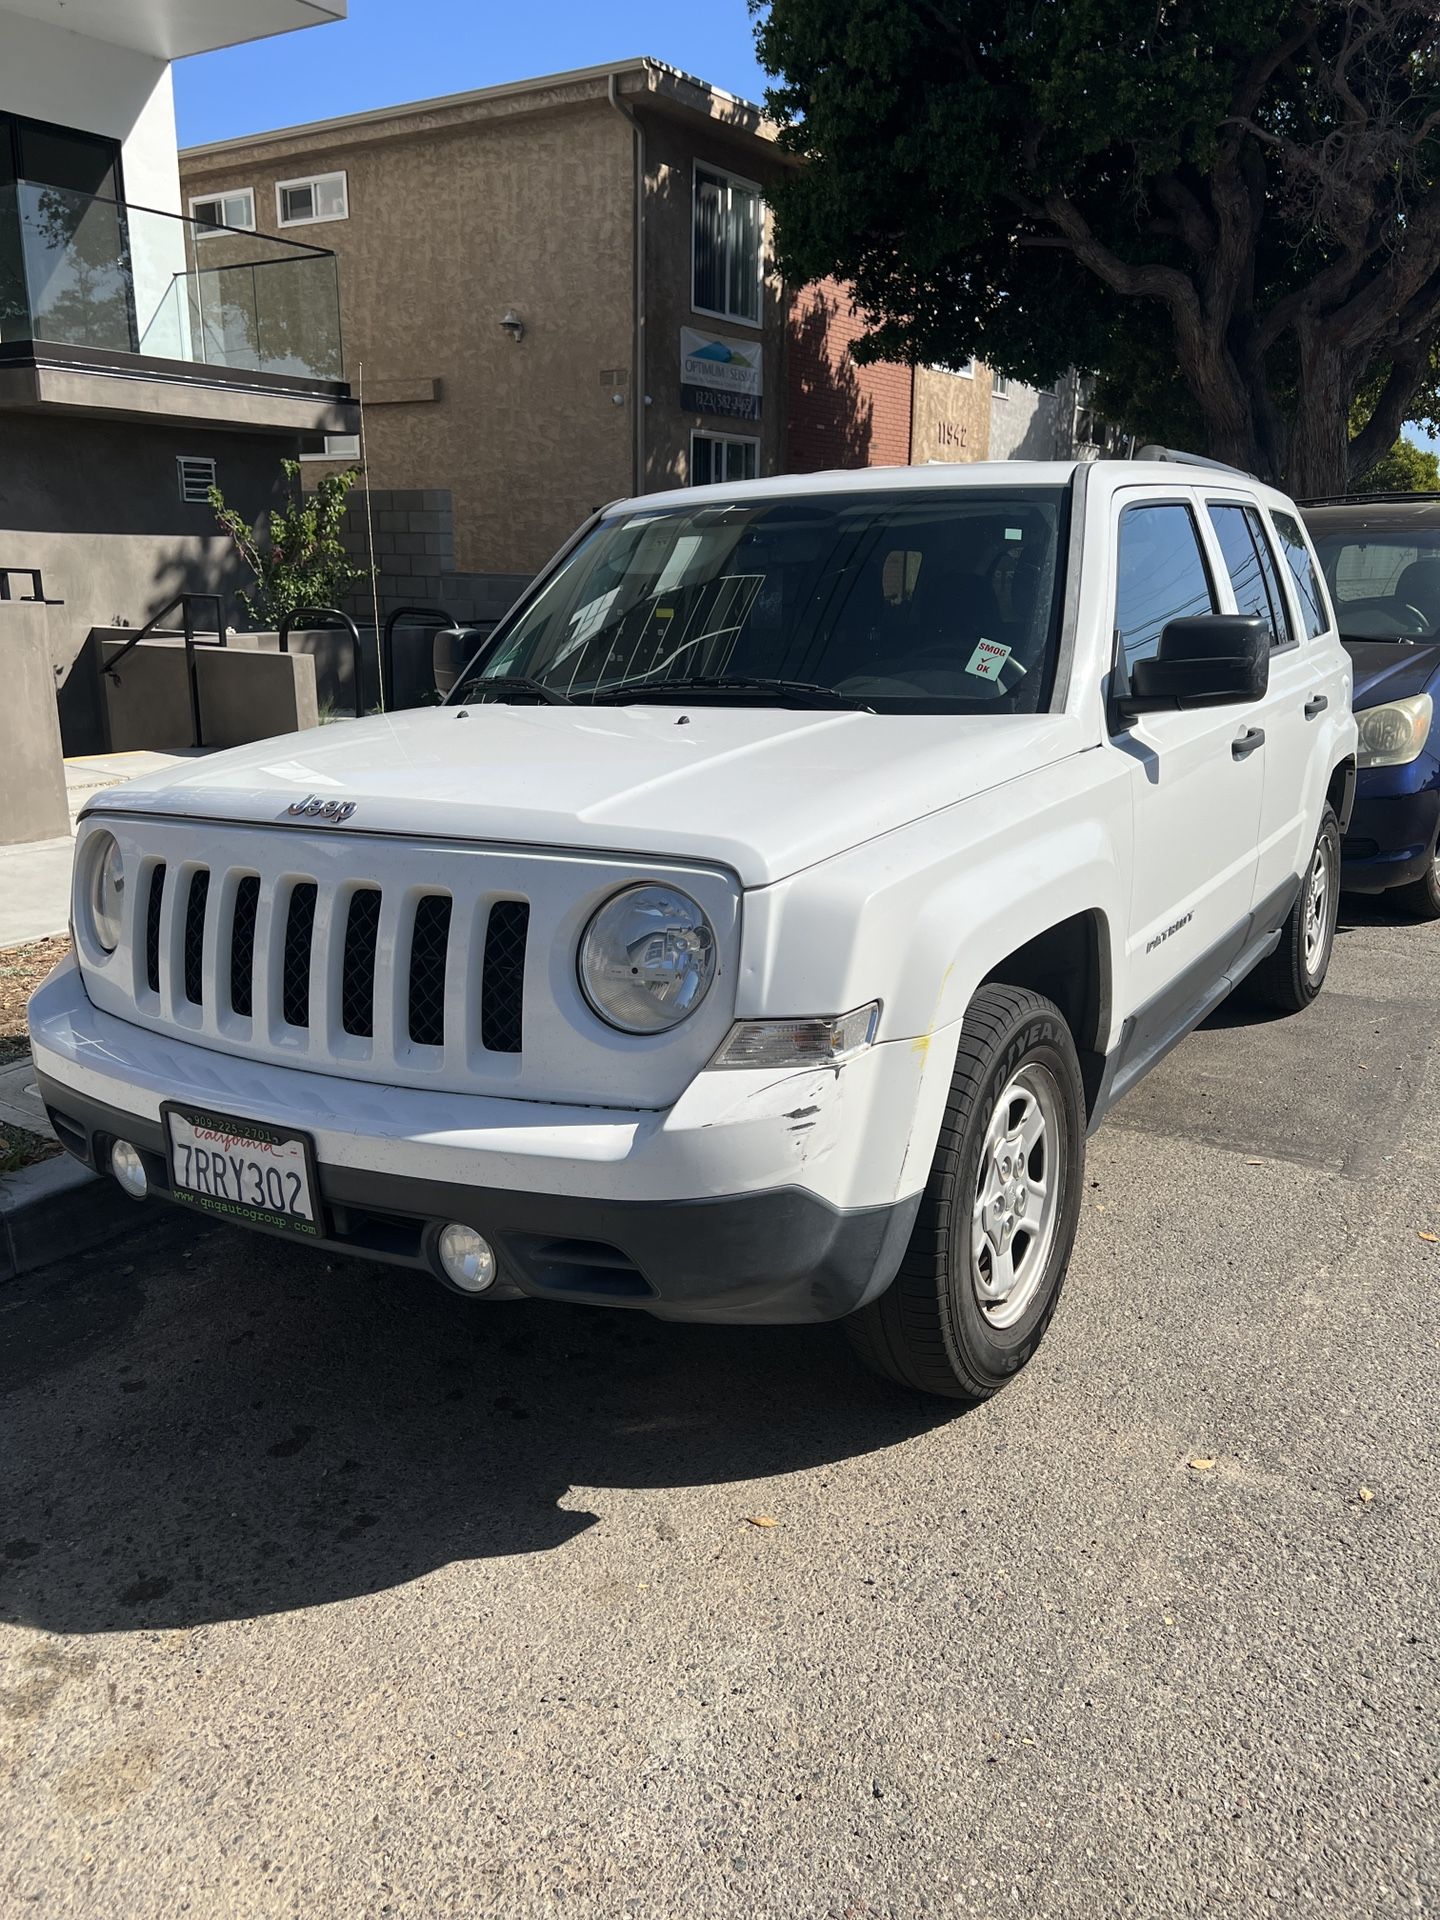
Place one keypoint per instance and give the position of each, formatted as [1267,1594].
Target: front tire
[1294,973]
[992,1240]
[1422,897]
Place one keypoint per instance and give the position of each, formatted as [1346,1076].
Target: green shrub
[298,559]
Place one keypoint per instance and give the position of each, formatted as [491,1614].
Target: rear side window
[1313,609]
[1251,567]
[1162,577]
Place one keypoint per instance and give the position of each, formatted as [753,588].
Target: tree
[1406,468]
[298,560]
[1243,193]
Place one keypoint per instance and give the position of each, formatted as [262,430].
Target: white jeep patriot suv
[791,881]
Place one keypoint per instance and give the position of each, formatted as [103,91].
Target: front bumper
[756,1198]
[1391,837]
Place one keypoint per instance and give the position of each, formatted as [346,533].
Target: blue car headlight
[1395,734]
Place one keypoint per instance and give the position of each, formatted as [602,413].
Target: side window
[1313,608]
[1162,577]
[1251,567]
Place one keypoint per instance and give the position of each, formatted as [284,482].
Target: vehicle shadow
[229,1426]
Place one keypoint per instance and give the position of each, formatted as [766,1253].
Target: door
[1197,783]
[1293,701]
[65,185]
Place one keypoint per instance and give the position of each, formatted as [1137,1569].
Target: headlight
[1395,734]
[104,889]
[647,959]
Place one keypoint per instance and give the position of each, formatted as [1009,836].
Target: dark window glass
[727,246]
[1384,581]
[1162,577]
[713,457]
[1251,566]
[1313,609]
[944,600]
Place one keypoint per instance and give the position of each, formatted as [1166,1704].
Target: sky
[391,51]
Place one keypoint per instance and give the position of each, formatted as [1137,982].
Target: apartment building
[139,359]
[556,292]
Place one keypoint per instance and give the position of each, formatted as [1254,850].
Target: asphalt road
[325,1594]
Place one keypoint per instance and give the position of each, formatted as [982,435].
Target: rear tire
[1422,897]
[991,1243]
[1294,973]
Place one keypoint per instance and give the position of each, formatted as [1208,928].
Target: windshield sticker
[987,660]
[1013,533]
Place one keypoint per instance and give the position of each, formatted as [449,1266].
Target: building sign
[720,376]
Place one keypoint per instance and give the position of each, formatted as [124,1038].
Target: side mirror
[1212,660]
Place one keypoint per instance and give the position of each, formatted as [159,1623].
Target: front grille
[152,927]
[295,968]
[242,945]
[195,936]
[427,969]
[502,1006]
[335,960]
[357,978]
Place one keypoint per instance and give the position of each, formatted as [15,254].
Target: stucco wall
[842,414]
[96,506]
[672,147]
[951,419]
[452,222]
[1023,424]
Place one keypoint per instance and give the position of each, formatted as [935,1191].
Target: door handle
[1244,744]
[1317,703]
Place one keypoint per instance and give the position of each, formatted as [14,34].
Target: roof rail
[1384,498]
[1184,459]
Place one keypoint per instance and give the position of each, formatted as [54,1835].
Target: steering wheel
[1396,614]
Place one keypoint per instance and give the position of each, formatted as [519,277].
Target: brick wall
[841,414]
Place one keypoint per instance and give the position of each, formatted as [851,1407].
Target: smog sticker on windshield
[987,660]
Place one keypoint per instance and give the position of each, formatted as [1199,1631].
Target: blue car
[1381,556]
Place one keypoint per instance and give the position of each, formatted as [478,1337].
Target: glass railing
[84,272]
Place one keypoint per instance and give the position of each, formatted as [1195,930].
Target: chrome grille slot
[428,945]
[295,967]
[153,905]
[357,976]
[502,985]
[242,945]
[195,936]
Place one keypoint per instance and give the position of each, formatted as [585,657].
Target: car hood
[1389,669]
[763,791]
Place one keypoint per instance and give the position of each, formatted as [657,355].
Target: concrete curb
[56,1208]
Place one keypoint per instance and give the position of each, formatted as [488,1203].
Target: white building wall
[49,73]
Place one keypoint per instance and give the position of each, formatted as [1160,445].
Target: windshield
[924,602]
[1384,580]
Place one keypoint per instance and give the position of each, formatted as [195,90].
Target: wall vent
[197,476]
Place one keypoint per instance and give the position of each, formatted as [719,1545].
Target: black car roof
[1403,515]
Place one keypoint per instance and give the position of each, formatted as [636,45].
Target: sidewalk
[35,877]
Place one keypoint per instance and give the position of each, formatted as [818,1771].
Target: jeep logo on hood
[314,808]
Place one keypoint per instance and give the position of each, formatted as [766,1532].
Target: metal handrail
[185,601]
[35,597]
[387,643]
[329,617]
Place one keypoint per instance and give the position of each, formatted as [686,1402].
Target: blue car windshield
[923,601]
[1384,578]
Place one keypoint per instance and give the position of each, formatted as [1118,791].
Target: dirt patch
[21,971]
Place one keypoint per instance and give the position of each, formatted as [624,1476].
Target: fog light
[468,1260]
[129,1169]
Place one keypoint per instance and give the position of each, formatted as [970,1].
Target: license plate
[242,1170]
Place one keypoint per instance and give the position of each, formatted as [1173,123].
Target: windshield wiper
[803,692]
[477,689]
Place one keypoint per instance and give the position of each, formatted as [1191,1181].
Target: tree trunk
[1320,438]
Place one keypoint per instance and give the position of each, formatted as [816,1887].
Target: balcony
[112,308]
